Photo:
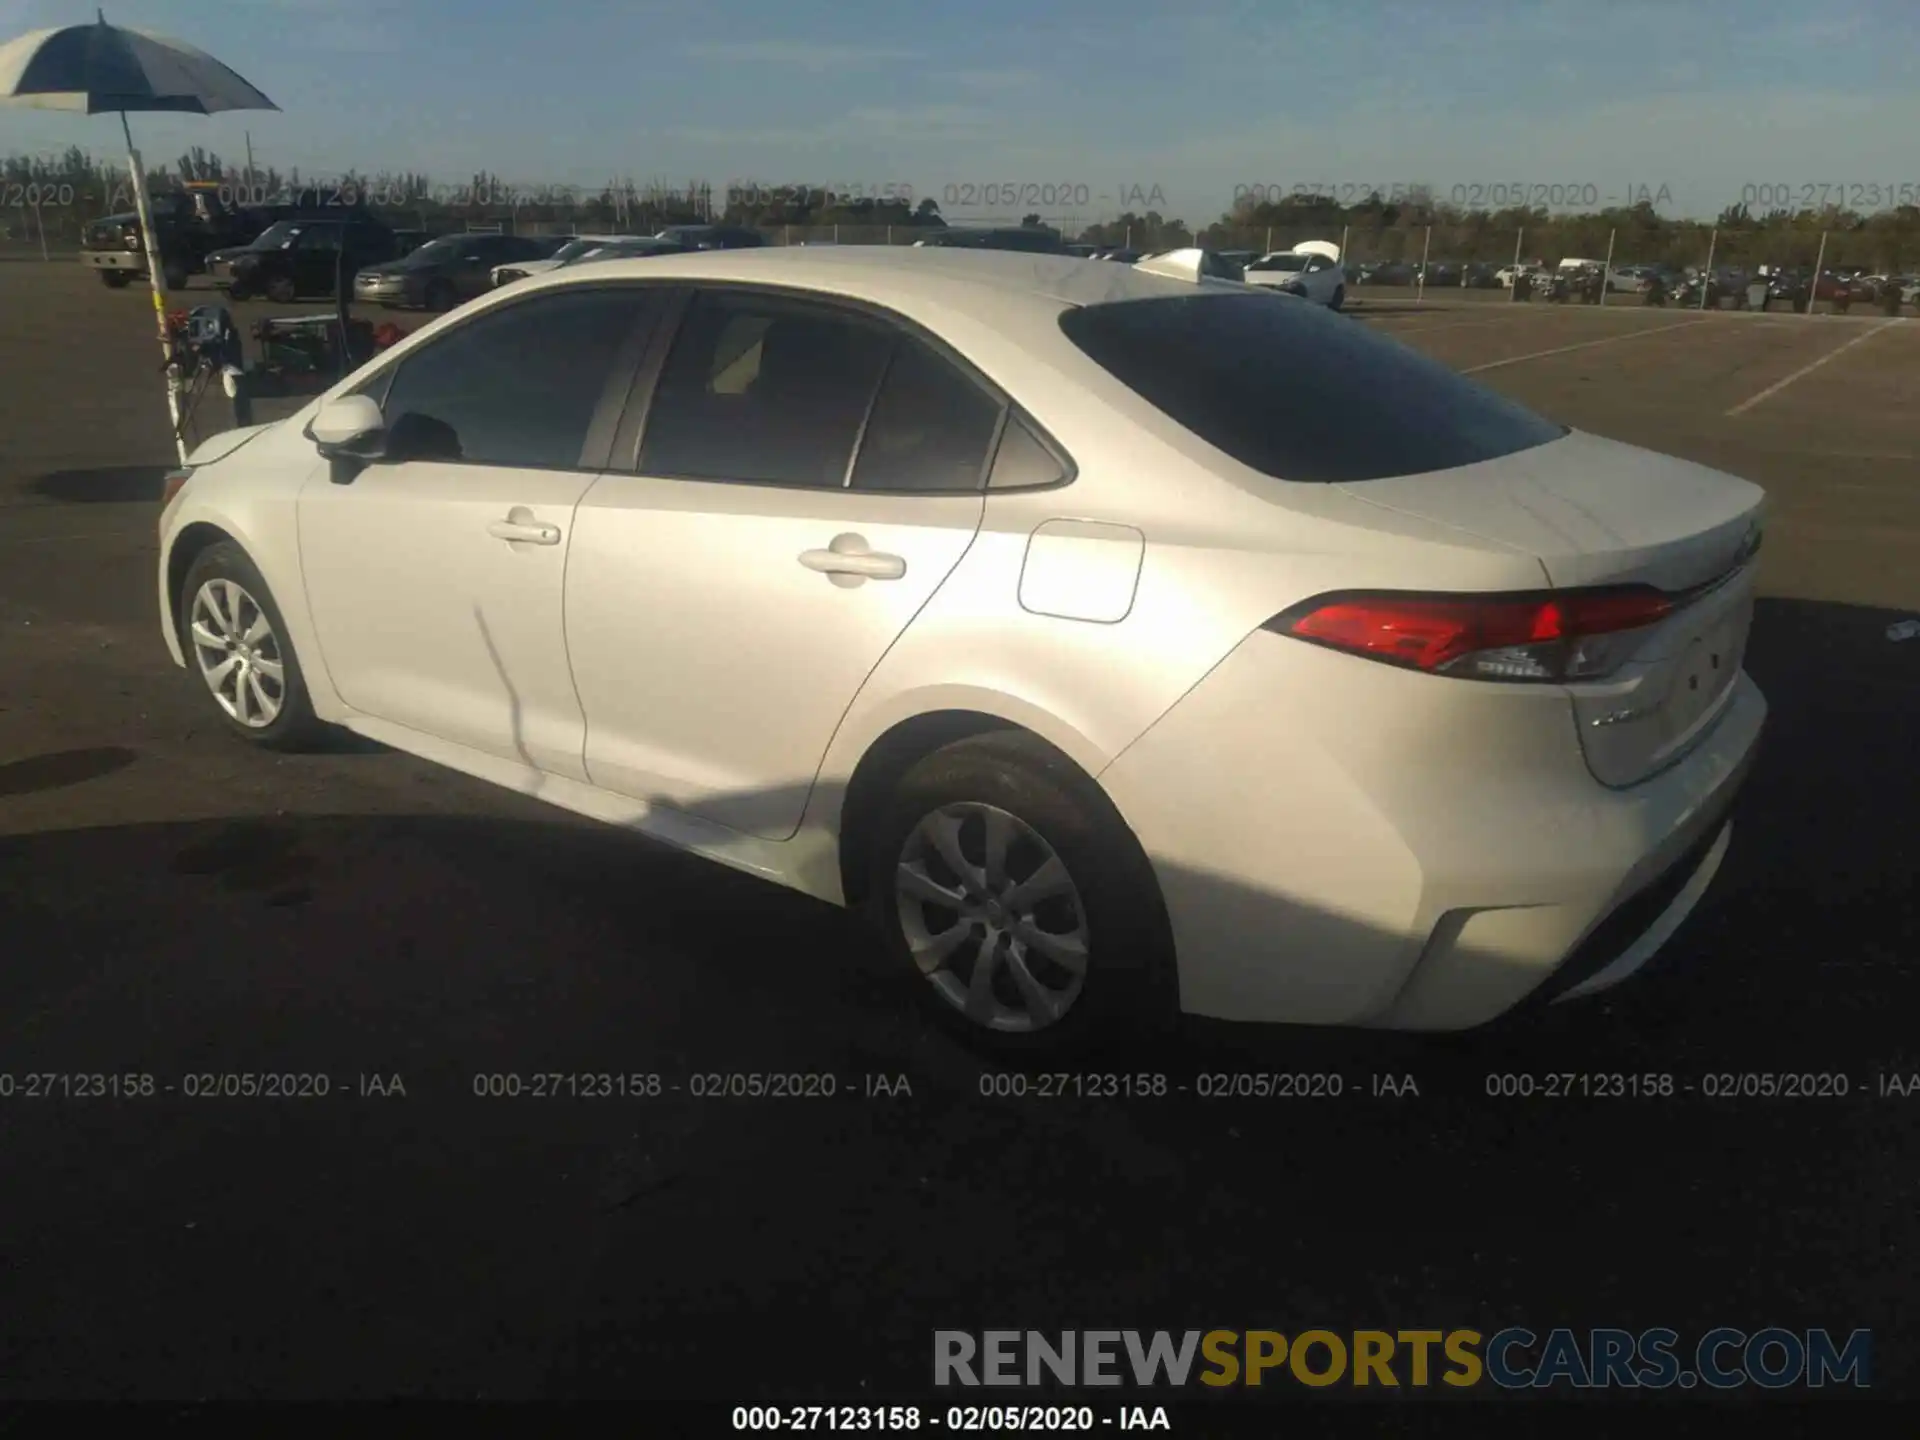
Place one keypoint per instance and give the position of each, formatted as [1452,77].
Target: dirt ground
[175,905]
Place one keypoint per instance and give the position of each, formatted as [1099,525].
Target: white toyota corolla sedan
[1122,644]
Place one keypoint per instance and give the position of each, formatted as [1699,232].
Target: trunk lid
[1596,512]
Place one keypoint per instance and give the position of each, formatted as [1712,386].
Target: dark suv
[444,272]
[294,259]
[712,237]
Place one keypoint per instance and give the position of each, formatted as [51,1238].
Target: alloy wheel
[237,653]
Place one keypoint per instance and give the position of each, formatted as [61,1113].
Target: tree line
[77,185]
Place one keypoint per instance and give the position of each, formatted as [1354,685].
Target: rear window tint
[1299,393]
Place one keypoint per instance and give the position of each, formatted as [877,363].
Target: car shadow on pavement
[59,768]
[459,1244]
[110,485]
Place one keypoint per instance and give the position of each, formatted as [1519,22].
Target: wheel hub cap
[992,918]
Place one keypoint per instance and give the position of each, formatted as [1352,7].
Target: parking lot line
[1583,345]
[1806,370]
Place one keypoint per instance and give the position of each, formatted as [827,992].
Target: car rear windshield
[1280,262]
[1298,392]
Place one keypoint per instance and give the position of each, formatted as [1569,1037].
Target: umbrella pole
[157,276]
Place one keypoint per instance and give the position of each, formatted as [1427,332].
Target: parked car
[1390,272]
[1311,271]
[445,272]
[573,248]
[405,242]
[713,237]
[297,259]
[1035,239]
[639,247]
[1506,273]
[1063,765]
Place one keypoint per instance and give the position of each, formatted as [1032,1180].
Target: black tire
[281,290]
[174,274]
[296,727]
[115,279]
[1129,991]
[440,297]
[237,292]
[1339,298]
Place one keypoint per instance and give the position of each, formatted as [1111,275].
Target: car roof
[909,277]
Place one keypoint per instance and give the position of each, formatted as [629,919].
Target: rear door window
[1299,393]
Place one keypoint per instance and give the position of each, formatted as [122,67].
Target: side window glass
[1023,461]
[930,427]
[518,386]
[765,390]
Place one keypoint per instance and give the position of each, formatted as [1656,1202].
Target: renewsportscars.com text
[1515,1358]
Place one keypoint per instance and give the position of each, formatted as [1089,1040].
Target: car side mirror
[349,427]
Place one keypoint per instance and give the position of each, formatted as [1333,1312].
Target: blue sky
[1701,97]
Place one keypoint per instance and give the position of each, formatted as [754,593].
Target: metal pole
[249,135]
[1813,290]
[1269,249]
[1344,231]
[150,242]
[1706,275]
[1513,287]
[40,220]
[1426,249]
[1606,271]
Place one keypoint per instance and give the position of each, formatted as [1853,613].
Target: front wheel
[236,642]
[1006,886]
[281,290]
[115,279]
[1339,298]
[440,297]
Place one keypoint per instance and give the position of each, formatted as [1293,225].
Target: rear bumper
[1345,843]
[114,260]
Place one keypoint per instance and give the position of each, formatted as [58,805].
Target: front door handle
[521,526]
[849,557]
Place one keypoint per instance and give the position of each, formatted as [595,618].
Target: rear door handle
[848,555]
[521,526]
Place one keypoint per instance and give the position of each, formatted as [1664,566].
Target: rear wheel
[115,279]
[1006,886]
[174,273]
[235,641]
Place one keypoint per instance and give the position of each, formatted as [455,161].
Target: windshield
[574,249]
[434,251]
[1280,262]
[276,236]
[1299,393]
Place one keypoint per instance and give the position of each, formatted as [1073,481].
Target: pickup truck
[189,227]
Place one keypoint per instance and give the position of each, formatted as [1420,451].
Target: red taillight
[170,487]
[1542,636]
